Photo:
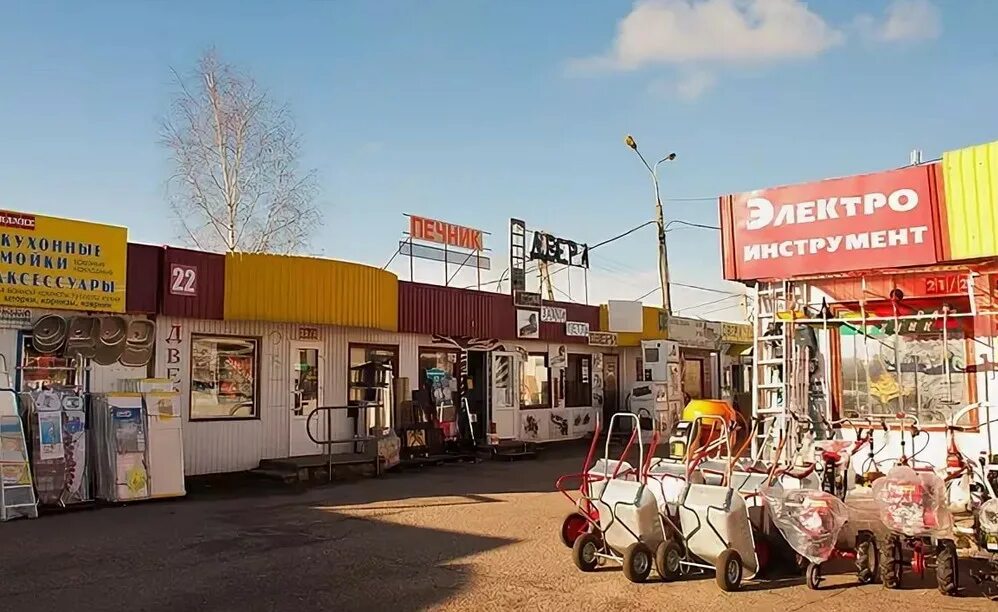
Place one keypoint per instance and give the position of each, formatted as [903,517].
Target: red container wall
[449,311]
[580,313]
[208,301]
[142,281]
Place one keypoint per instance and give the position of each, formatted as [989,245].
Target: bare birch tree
[237,184]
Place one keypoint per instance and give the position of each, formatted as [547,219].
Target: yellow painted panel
[309,290]
[649,324]
[970,177]
[50,262]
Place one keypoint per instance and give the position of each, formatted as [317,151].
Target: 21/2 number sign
[183,280]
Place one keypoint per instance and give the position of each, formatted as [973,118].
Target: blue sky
[474,111]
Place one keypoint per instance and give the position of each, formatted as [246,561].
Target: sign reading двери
[48,262]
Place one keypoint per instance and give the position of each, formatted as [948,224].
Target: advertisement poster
[557,357]
[129,433]
[560,424]
[62,264]
[50,436]
[533,427]
[528,324]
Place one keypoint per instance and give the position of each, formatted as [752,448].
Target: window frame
[580,357]
[547,368]
[837,387]
[257,365]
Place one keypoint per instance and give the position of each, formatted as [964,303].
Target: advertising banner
[47,262]
[736,333]
[836,225]
[695,333]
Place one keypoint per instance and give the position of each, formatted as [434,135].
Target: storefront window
[916,373]
[578,381]
[223,378]
[45,371]
[361,354]
[535,383]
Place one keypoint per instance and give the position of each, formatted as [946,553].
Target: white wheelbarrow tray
[714,518]
[667,480]
[628,513]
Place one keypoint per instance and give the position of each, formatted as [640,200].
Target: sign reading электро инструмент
[62,264]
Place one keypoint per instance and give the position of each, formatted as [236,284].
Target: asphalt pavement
[457,537]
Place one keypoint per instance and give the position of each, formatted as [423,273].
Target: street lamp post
[663,254]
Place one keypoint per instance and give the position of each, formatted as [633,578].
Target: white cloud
[904,20]
[693,85]
[688,86]
[681,32]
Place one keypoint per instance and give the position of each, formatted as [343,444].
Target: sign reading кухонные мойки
[62,264]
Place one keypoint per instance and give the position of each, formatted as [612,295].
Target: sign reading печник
[836,225]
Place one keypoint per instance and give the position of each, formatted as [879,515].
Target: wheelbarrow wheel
[668,557]
[728,570]
[585,552]
[813,576]
[574,525]
[890,562]
[638,560]
[947,570]
[867,560]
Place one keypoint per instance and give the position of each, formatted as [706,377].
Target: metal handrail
[328,442]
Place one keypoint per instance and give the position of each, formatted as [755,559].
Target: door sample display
[505,394]
[120,440]
[166,444]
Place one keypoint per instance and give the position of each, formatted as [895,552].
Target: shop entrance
[306,396]
[505,394]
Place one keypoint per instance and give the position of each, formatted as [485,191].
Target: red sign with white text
[856,223]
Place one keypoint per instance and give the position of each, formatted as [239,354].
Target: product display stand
[17,491]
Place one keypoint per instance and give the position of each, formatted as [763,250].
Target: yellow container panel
[970,177]
[649,324]
[309,290]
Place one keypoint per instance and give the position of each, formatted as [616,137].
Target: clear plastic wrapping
[809,520]
[913,503]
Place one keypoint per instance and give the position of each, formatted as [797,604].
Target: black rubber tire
[638,561]
[584,552]
[728,570]
[890,562]
[947,568]
[814,576]
[867,557]
[566,527]
[667,561]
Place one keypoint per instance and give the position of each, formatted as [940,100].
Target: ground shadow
[251,557]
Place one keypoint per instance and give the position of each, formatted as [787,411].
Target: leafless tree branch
[237,184]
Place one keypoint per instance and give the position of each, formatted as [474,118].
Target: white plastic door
[306,396]
[506,394]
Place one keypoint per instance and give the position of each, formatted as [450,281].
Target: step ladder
[17,490]
[773,359]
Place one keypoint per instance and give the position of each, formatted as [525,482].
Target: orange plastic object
[709,430]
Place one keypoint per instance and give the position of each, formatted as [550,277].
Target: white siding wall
[226,446]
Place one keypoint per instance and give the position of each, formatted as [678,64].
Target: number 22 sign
[183,280]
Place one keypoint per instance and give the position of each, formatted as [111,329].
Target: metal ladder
[17,490]
[772,360]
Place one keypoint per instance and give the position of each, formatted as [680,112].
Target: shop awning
[739,350]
